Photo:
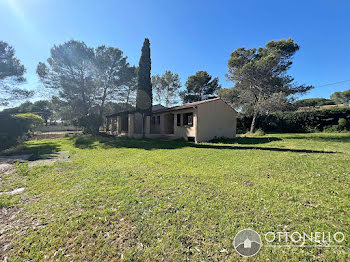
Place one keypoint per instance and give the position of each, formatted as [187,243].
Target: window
[178,119]
[158,120]
[153,120]
[188,119]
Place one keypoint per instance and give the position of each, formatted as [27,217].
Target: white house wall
[185,131]
[215,119]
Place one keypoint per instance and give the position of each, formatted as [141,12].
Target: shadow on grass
[277,149]
[86,142]
[246,140]
[151,144]
[341,138]
[42,151]
[37,151]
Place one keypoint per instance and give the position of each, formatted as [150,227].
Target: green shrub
[17,128]
[331,129]
[258,132]
[90,123]
[299,121]
[342,124]
[29,121]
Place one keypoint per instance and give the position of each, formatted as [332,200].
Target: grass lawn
[148,200]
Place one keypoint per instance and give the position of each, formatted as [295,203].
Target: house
[247,243]
[198,122]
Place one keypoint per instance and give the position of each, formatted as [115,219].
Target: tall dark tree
[261,79]
[144,95]
[200,87]
[11,75]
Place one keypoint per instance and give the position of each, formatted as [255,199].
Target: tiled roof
[159,108]
[191,105]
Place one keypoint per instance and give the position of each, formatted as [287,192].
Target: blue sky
[187,36]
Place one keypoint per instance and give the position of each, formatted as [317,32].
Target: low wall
[59,128]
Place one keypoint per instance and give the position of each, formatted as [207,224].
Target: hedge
[299,121]
[17,128]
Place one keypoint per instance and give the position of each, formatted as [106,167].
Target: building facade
[198,122]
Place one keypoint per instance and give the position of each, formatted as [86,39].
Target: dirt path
[7,163]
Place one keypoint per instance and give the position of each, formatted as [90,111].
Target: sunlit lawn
[154,200]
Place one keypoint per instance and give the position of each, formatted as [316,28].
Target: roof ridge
[197,102]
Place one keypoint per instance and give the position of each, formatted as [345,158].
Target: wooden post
[131,122]
[119,125]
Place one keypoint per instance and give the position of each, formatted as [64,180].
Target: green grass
[148,200]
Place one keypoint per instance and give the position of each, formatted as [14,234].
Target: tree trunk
[128,96]
[252,126]
[102,106]
[167,101]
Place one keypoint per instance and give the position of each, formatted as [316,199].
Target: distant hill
[314,102]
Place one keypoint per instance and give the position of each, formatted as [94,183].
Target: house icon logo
[247,242]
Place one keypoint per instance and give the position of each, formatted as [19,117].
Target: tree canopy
[115,77]
[200,87]
[70,73]
[261,82]
[11,75]
[166,88]
[341,97]
[84,79]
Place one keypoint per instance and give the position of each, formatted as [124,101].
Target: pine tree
[11,75]
[166,88]
[144,85]
[200,87]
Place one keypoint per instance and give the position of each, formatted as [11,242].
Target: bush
[28,122]
[342,124]
[90,123]
[300,121]
[17,128]
[331,129]
[258,132]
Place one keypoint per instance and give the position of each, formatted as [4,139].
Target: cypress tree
[144,85]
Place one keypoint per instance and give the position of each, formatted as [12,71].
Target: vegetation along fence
[334,119]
